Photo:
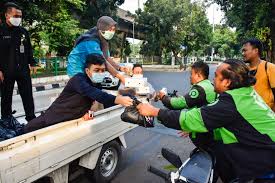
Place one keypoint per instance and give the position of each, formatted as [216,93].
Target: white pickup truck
[51,152]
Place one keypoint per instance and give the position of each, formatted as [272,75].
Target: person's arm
[84,87]
[195,97]
[203,119]
[166,101]
[271,79]
[94,47]
[1,55]
[113,63]
[1,51]
[270,76]
[207,118]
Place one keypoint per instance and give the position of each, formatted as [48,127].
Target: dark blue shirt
[76,99]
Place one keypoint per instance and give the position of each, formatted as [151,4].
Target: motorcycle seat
[197,168]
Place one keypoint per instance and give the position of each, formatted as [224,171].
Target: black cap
[11,5]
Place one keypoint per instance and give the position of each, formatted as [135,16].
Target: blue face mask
[97,77]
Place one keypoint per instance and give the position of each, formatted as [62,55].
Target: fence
[170,60]
[55,66]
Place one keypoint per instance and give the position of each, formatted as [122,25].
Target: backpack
[272,89]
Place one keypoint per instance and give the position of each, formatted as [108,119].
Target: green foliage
[251,18]
[135,49]
[225,42]
[170,24]
[97,8]
[127,50]
[55,24]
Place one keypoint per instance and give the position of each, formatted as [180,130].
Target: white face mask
[97,77]
[15,21]
[108,35]
[137,75]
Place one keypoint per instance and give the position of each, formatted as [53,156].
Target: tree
[97,8]
[127,50]
[225,42]
[254,18]
[57,23]
[171,24]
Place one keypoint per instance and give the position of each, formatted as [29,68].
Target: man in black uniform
[15,59]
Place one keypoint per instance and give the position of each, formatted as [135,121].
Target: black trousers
[24,84]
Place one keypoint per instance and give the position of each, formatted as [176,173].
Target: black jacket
[73,102]
[12,58]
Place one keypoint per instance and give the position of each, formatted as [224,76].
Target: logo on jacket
[194,93]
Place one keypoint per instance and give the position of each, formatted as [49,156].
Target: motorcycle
[198,168]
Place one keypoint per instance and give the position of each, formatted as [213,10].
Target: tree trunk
[273,31]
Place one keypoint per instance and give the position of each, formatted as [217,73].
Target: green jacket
[200,94]
[246,126]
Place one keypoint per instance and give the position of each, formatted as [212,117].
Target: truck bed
[28,157]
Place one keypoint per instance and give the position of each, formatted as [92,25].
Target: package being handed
[140,84]
[131,115]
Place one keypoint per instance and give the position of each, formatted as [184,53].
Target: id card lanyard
[22,48]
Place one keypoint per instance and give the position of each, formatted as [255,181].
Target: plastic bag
[11,123]
[132,115]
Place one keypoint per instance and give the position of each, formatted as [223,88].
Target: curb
[164,68]
[44,87]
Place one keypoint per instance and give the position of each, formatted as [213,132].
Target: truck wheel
[108,162]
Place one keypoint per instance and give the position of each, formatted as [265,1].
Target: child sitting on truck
[78,95]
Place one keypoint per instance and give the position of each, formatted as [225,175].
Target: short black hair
[94,59]
[9,5]
[202,68]
[255,43]
[238,73]
[137,65]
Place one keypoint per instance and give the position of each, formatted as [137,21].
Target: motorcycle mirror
[172,157]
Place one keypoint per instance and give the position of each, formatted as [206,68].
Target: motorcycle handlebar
[158,172]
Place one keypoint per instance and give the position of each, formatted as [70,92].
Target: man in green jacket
[201,93]
[247,124]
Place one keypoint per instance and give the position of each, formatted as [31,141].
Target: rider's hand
[161,94]
[183,134]
[147,110]
[158,95]
[125,101]
[1,76]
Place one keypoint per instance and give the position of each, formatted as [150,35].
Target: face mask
[108,35]
[15,21]
[97,77]
[137,75]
